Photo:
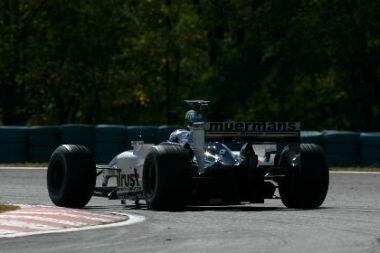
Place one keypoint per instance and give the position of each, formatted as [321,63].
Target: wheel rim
[150,180]
[57,176]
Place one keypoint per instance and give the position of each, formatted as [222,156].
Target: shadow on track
[222,208]
[105,207]
[236,208]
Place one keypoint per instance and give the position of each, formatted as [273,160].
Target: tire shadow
[236,208]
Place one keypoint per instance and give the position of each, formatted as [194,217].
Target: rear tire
[167,177]
[71,176]
[306,186]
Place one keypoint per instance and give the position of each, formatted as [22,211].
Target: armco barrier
[78,134]
[20,144]
[42,140]
[312,137]
[342,148]
[109,141]
[148,134]
[13,144]
[370,149]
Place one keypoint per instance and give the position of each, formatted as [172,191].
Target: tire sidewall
[57,157]
[172,180]
[306,185]
[78,176]
[150,163]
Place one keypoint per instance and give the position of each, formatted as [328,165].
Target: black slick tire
[305,186]
[167,177]
[71,176]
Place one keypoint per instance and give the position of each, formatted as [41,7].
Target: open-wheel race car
[195,167]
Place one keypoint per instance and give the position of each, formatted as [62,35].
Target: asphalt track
[348,222]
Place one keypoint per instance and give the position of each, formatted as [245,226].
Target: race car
[196,167]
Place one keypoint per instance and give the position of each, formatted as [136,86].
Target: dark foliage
[133,62]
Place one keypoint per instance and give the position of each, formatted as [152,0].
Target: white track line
[4,232]
[133,219]
[21,168]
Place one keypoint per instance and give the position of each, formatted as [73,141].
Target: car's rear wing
[253,131]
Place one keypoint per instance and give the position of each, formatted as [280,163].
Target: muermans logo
[252,126]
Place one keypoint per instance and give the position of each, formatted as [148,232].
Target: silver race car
[196,167]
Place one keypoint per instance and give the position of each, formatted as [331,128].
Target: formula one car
[196,167]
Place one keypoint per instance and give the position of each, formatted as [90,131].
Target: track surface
[348,222]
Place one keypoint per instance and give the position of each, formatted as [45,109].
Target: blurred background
[133,62]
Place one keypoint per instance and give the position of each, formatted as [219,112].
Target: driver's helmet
[192,116]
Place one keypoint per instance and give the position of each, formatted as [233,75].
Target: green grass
[4,208]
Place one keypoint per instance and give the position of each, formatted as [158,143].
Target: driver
[182,136]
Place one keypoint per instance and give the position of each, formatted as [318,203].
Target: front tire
[305,186]
[71,176]
[167,177]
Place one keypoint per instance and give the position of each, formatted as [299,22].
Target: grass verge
[4,208]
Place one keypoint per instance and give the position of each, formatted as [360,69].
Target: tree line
[134,62]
